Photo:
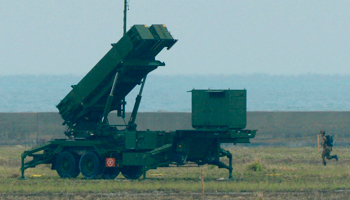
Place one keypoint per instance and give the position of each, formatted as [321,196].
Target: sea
[309,92]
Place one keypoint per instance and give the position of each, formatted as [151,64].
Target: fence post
[202,180]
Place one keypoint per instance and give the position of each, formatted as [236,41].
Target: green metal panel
[219,108]
[143,32]
[104,68]
[132,158]
[130,140]
[160,32]
[143,140]
[147,139]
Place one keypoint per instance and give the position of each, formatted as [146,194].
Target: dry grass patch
[281,168]
[259,170]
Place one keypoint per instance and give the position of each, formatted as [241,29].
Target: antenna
[125,10]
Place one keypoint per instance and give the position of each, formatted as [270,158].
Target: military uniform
[326,149]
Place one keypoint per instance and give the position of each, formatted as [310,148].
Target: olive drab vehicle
[96,149]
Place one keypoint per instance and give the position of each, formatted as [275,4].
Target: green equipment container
[219,108]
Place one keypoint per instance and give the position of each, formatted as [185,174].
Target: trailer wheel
[110,173]
[90,165]
[132,172]
[66,165]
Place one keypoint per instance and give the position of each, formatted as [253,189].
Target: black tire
[77,158]
[90,165]
[66,165]
[110,173]
[132,172]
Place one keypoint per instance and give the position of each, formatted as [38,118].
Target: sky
[277,37]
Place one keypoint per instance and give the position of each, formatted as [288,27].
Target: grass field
[281,173]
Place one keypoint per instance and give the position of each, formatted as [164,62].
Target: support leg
[219,152]
[230,170]
[222,165]
[144,174]
[22,165]
[229,156]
